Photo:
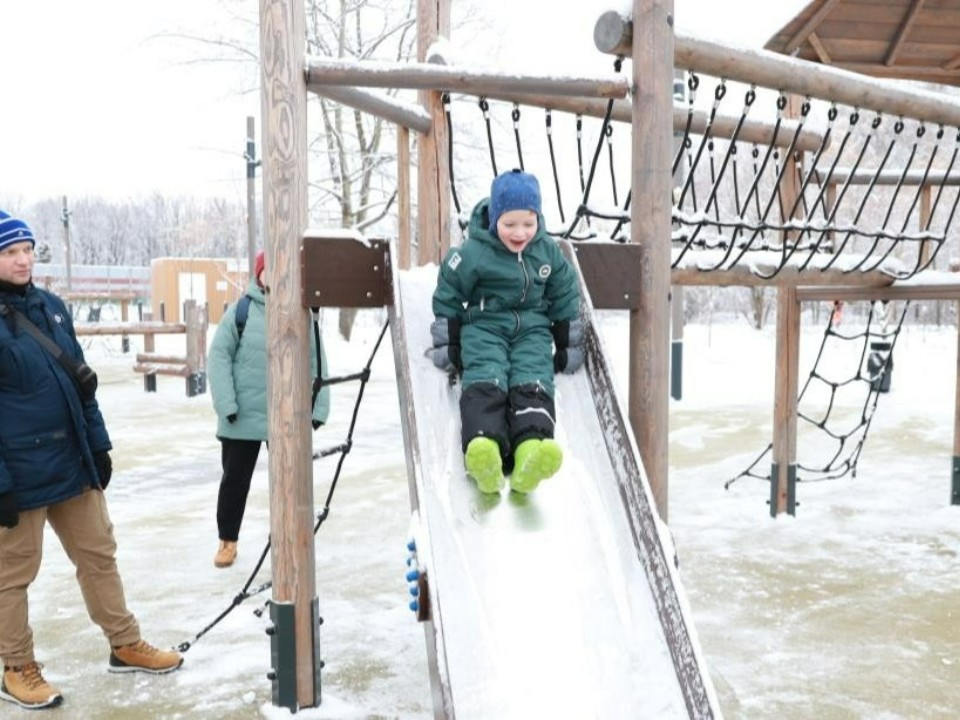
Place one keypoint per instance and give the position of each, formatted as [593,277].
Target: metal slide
[562,604]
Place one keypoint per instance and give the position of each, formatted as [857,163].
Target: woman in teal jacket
[503,299]
[237,371]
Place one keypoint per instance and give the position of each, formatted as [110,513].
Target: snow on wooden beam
[753,131]
[865,176]
[752,273]
[613,34]
[406,114]
[427,76]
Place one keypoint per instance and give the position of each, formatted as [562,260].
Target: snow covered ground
[847,610]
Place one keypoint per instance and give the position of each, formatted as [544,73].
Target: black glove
[445,353]
[8,510]
[104,465]
[316,423]
[568,338]
[232,418]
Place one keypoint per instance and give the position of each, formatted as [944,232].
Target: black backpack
[243,309]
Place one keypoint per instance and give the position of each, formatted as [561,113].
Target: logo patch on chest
[544,271]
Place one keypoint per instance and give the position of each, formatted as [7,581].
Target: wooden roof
[908,39]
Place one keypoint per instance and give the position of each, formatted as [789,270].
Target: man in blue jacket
[54,467]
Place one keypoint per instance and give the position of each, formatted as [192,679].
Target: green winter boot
[484,465]
[534,460]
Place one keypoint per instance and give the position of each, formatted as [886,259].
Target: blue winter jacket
[48,435]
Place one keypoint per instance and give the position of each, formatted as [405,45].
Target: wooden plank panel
[612,273]
[344,272]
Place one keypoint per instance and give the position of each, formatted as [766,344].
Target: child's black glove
[9,517]
[445,353]
[568,339]
[104,465]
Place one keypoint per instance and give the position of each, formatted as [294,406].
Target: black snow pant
[239,458]
[524,412]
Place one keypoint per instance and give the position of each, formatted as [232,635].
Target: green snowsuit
[506,303]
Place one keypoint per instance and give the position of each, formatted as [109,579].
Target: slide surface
[561,604]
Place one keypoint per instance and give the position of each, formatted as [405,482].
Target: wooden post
[955,476]
[403,200]
[124,317]
[783,473]
[149,346]
[433,173]
[196,340]
[294,609]
[651,179]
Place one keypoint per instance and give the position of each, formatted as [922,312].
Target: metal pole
[65,219]
[251,157]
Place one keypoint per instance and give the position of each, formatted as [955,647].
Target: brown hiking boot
[226,554]
[25,686]
[143,657]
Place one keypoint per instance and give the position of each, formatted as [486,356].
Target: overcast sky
[97,98]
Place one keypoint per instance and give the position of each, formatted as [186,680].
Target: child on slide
[504,298]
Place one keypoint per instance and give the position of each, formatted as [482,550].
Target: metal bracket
[283,655]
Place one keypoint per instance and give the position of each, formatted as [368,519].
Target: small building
[216,282]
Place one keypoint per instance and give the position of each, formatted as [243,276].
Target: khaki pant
[86,533]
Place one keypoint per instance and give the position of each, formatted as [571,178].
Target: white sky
[106,107]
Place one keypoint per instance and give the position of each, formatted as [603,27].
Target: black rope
[453,185]
[485,108]
[344,449]
[849,445]
[553,162]
[515,116]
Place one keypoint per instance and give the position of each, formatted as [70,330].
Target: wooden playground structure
[801,236]
[191,366]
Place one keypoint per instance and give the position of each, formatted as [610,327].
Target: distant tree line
[134,231]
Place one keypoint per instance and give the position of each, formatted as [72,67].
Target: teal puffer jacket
[506,299]
[537,286]
[237,371]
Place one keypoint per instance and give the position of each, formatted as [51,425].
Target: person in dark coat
[54,466]
[237,369]
[504,300]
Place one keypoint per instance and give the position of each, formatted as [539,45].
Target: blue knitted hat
[512,190]
[13,231]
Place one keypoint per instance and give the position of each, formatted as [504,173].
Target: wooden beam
[917,288]
[427,76]
[925,73]
[405,114]
[903,32]
[819,49]
[864,176]
[753,131]
[763,68]
[800,77]
[793,44]
[753,272]
[952,64]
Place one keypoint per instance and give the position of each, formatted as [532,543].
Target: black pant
[239,458]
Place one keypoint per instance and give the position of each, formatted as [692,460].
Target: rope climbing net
[852,368]
[833,187]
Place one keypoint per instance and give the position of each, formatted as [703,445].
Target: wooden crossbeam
[902,32]
[793,44]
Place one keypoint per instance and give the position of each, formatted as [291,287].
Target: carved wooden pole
[284,125]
